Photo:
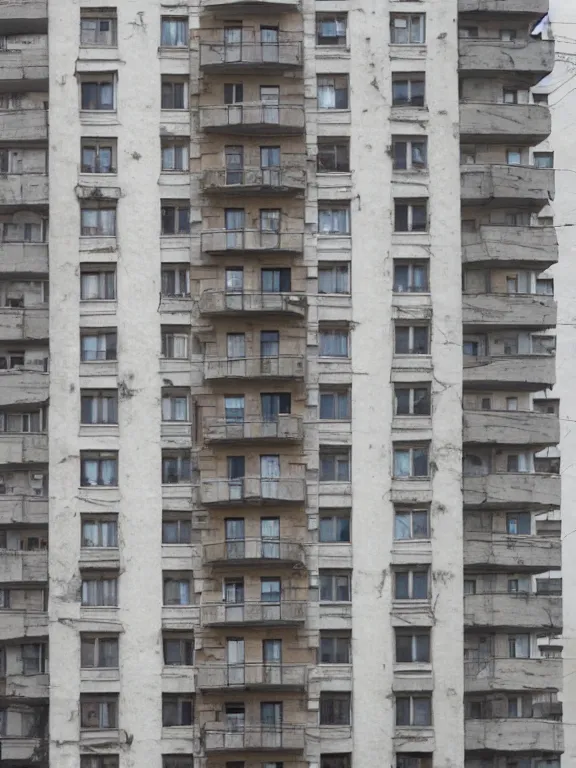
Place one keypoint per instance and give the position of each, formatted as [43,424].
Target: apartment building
[297,322]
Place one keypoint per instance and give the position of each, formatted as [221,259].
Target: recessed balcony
[254,181]
[23,687]
[26,68]
[230,303]
[513,610]
[251,677]
[18,189]
[23,566]
[23,386]
[513,490]
[530,57]
[21,624]
[253,119]
[514,734]
[256,242]
[264,553]
[530,123]
[253,490]
[511,428]
[254,613]
[522,371]
[493,674]
[250,57]
[23,124]
[23,323]
[493,245]
[506,184]
[281,367]
[284,429]
[23,258]
[23,16]
[17,508]
[515,7]
[498,551]
[482,311]
[20,448]
[221,737]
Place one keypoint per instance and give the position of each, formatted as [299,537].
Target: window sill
[97,301]
[407,45]
[98,362]
[99,47]
[166,235]
[417,478]
[98,487]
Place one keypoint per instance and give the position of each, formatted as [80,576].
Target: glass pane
[402,526]
[420,585]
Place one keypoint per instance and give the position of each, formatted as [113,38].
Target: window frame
[337,18]
[411,571]
[99,457]
[106,220]
[181,520]
[109,699]
[415,634]
[100,80]
[97,145]
[109,15]
[174,82]
[412,389]
[334,211]
[337,86]
[410,19]
[337,272]
[168,581]
[183,459]
[336,516]
[335,709]
[412,349]
[111,520]
[98,655]
[100,579]
[411,449]
[331,149]
[180,149]
[341,409]
[325,333]
[186,650]
[103,407]
[183,32]
[106,287]
[180,223]
[410,511]
[411,720]
[182,701]
[335,639]
[333,574]
[411,79]
[411,207]
[341,457]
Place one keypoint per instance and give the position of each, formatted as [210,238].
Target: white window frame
[411,390]
[179,162]
[410,207]
[409,26]
[105,222]
[171,410]
[411,571]
[35,652]
[399,511]
[334,213]
[409,152]
[341,457]
[333,575]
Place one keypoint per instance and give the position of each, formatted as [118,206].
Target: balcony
[490,674]
[24,70]
[493,245]
[523,371]
[23,324]
[226,242]
[23,750]
[513,610]
[20,624]
[18,189]
[285,428]
[24,687]
[23,124]
[254,181]
[227,7]
[530,123]
[23,566]
[514,735]
[19,386]
[506,184]
[23,16]
[221,737]
[253,119]
[20,448]
[497,551]
[511,428]
[253,490]
[250,58]
[254,613]
[514,490]
[227,303]
[17,508]
[264,553]
[255,677]
[281,367]
[523,311]
[527,57]
[517,7]
[23,258]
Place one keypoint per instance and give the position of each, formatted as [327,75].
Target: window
[175,407]
[276,280]
[98,651]
[408,90]
[414,760]
[467,32]
[334,278]
[332,92]
[269,220]
[333,219]
[177,710]
[411,584]
[174,31]
[544,159]
[411,461]
[335,586]
[414,710]
[411,524]
[334,708]
[335,647]
[336,761]
[98,712]
[177,591]
[99,761]
[234,410]
[409,154]
[176,467]
[99,533]
[98,28]
[178,761]
[331,29]
[514,156]
[98,155]
[270,590]
[175,345]
[412,401]
[335,404]
[98,345]
[21,422]
[411,340]
[175,281]
[413,646]
[410,216]
[5,599]
[176,529]
[273,404]
[333,343]
[178,651]
[22,233]
[97,222]
[176,219]
[99,407]
[33,659]
[99,468]
[175,153]
[334,465]
[410,276]
[469,586]
[407,28]
[545,286]
[508,35]
[334,526]
[519,646]
[333,155]
[98,95]
[173,94]
[97,283]
[99,590]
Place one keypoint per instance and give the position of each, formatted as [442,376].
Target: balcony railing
[245,56]
[17,508]
[250,181]
[530,56]
[23,323]
[23,448]
[509,246]
[253,490]
[29,64]
[505,674]
[19,386]
[512,490]
[243,552]
[506,183]
[258,118]
[251,676]
[285,428]
[224,737]
[281,367]
[17,189]
[254,612]
[521,121]
[531,311]
[227,241]
[511,427]
[252,302]
[23,566]
[23,124]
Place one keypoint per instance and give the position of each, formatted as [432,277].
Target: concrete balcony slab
[23,16]
[514,490]
[515,7]
[23,387]
[253,490]
[25,687]
[258,119]
[511,428]
[513,610]
[527,372]
[529,123]
[281,367]
[506,184]
[23,324]
[20,750]
[254,613]
[491,674]
[18,189]
[285,429]
[510,246]
[530,57]
[514,735]
[18,509]
[23,124]
[20,625]
[23,258]
[19,448]
[498,551]
[254,738]
[225,7]
[25,69]
[23,566]
[252,303]
[259,552]
[251,677]
[491,310]
[258,58]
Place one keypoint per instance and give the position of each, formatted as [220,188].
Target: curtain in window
[236,345]
[90,287]
[90,534]
[173,32]
[93,347]
[333,344]
[108,469]
[107,222]
[402,466]
[234,280]
[269,344]
[234,410]
[90,472]
[234,219]
[326,93]
[270,590]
